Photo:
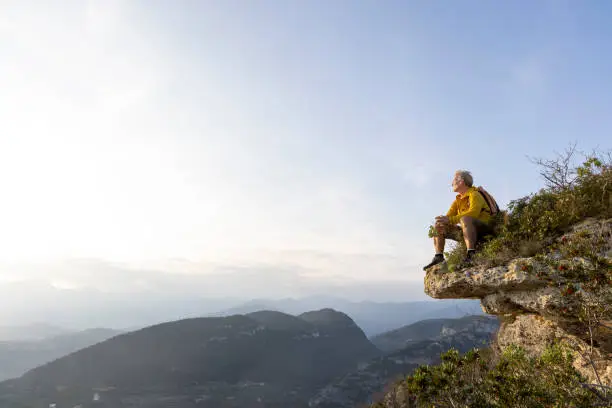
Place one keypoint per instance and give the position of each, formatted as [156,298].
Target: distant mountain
[433,329]
[35,331]
[262,359]
[373,317]
[266,359]
[362,386]
[18,357]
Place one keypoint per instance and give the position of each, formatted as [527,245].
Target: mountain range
[80,309]
[19,356]
[372,317]
[30,332]
[260,359]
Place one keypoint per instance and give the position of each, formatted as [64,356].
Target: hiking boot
[468,260]
[438,258]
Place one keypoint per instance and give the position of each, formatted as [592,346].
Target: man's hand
[441,223]
[442,219]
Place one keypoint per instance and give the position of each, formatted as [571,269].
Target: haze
[178,150]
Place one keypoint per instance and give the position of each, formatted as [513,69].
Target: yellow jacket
[472,204]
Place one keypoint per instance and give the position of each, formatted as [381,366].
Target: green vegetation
[533,223]
[484,378]
[541,226]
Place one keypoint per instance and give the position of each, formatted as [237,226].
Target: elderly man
[471,211]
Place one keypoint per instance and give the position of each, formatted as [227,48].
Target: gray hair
[466,176]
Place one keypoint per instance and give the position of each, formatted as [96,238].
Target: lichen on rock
[478,282]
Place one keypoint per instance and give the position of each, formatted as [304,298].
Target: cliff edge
[547,274]
[546,299]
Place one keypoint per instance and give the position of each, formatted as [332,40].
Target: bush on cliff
[483,378]
[532,223]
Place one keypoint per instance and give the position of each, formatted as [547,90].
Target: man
[470,211]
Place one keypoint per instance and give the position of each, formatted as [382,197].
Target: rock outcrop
[538,305]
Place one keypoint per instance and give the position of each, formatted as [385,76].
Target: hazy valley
[265,358]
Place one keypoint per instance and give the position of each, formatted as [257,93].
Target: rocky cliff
[547,298]
[546,272]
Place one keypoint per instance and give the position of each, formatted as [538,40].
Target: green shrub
[455,255]
[483,378]
[533,222]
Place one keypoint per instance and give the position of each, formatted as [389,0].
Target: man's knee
[440,228]
[467,221]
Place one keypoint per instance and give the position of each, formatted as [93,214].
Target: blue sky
[319,136]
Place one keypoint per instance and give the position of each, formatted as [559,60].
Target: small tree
[559,173]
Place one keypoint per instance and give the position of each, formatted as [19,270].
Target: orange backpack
[490,201]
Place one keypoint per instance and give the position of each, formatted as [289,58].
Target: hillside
[433,329]
[18,357]
[369,380]
[256,360]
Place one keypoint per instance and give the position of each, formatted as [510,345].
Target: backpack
[490,201]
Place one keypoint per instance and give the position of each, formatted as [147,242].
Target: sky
[317,140]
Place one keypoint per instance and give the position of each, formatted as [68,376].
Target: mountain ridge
[188,355]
